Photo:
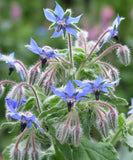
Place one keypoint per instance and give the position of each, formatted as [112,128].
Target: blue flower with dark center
[26,119]
[61,21]
[44,53]
[131,110]
[12,65]
[113,33]
[70,95]
[96,86]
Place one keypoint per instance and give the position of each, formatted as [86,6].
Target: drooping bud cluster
[70,130]
[113,118]
[16,154]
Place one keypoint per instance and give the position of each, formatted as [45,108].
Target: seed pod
[33,75]
[123,54]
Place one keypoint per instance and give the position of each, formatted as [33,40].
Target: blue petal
[0,55]
[80,95]
[131,101]
[58,55]
[11,107]
[88,89]
[57,34]
[23,101]
[59,11]
[58,93]
[104,89]
[21,75]
[38,127]
[15,116]
[29,124]
[72,20]
[49,16]
[34,47]
[70,90]
[80,83]
[130,112]
[12,55]
[98,82]
[71,30]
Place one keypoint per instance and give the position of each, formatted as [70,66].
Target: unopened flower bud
[123,54]
[113,118]
[17,93]
[76,135]
[25,154]
[102,125]
[63,133]
[35,155]
[47,88]
[114,74]
[1,90]
[16,154]
[42,79]
[82,38]
[33,75]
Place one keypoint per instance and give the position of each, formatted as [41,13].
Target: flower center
[61,24]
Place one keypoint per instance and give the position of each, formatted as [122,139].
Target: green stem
[70,49]
[116,136]
[103,53]
[35,93]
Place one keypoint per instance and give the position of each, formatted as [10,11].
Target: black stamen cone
[116,37]
[23,126]
[69,104]
[97,93]
[11,69]
[44,60]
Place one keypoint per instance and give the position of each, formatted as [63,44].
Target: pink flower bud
[1,90]
[123,54]
[102,125]
[76,135]
[33,75]
[15,154]
[35,155]
[63,133]
[113,119]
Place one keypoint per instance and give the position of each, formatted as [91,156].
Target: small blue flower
[70,95]
[113,33]
[131,110]
[62,22]
[12,65]
[25,118]
[44,53]
[96,86]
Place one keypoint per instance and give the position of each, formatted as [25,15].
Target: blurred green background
[20,20]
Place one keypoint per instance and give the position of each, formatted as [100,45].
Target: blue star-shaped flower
[45,54]
[96,86]
[25,118]
[70,95]
[12,65]
[62,22]
[113,33]
[131,110]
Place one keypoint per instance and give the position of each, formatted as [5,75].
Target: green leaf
[52,26]
[122,120]
[6,152]
[67,13]
[29,104]
[129,140]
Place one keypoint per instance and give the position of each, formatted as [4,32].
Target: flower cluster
[77,75]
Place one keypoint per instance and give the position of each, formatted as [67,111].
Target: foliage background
[20,20]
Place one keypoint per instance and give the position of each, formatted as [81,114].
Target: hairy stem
[70,49]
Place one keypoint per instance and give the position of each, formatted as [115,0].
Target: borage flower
[45,53]
[131,110]
[26,118]
[70,95]
[12,65]
[113,33]
[61,21]
[96,86]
